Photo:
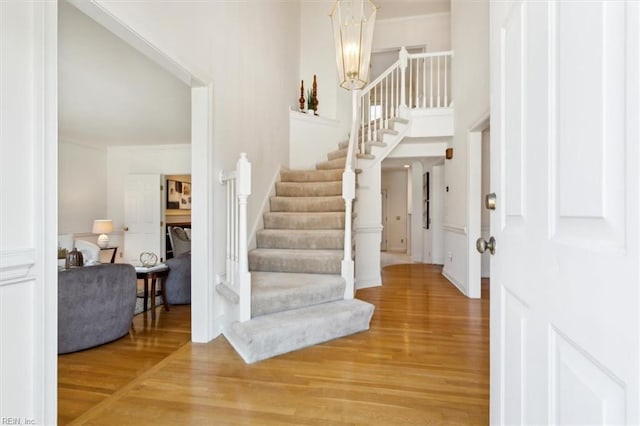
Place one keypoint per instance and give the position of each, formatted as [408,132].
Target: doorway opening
[479,166]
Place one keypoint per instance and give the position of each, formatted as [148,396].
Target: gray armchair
[95,305]
[178,283]
[180,242]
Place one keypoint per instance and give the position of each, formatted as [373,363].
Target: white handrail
[381,77]
[237,276]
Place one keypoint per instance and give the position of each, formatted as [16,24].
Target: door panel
[582,389]
[564,279]
[579,131]
[142,216]
[513,52]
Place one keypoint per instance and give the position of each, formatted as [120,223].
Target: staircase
[296,288]
[297,291]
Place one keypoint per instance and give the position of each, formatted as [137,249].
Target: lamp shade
[102,227]
[353,22]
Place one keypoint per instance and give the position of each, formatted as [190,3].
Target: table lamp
[102,227]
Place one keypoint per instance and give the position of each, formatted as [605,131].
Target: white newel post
[243,170]
[349,194]
[404,58]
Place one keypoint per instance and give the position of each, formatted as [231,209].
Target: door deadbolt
[490,201]
[482,245]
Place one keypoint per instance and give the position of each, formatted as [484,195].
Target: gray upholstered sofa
[95,305]
[178,284]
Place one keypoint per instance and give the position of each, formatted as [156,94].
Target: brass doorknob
[126,228]
[482,245]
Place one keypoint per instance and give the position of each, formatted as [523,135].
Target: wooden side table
[154,273]
[113,254]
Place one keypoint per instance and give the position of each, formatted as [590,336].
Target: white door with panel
[143,213]
[564,166]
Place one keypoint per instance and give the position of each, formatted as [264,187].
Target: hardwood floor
[424,361]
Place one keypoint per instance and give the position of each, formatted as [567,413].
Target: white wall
[104,82]
[82,186]
[395,182]
[28,212]
[317,56]
[470,88]
[250,56]
[437,214]
[124,160]
[417,232]
[430,30]
[311,139]
[368,227]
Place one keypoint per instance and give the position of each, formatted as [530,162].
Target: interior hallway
[425,360]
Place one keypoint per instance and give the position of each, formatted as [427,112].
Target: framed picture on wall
[185,198]
[178,195]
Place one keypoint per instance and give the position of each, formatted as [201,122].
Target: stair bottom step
[270,335]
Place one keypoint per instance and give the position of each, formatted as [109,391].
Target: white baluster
[431,82]
[385,110]
[424,82]
[410,83]
[446,87]
[243,168]
[403,72]
[371,113]
[365,132]
[438,106]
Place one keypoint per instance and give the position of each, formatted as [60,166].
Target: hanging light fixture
[353,22]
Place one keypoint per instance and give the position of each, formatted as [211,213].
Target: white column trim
[457,229]
[16,266]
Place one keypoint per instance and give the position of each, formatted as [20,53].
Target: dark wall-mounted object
[448,153]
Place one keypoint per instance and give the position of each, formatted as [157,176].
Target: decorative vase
[74,259]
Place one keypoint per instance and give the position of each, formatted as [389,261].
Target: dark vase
[74,259]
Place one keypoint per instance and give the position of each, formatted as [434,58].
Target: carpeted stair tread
[270,335]
[287,175]
[308,220]
[338,163]
[280,291]
[300,261]
[309,189]
[307,204]
[332,239]
[340,153]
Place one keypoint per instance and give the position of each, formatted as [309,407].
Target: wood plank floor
[424,361]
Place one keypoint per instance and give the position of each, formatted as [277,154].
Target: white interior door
[143,223]
[564,155]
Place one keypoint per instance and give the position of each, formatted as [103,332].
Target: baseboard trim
[372,282]
[453,281]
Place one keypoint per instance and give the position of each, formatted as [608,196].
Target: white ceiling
[111,94]
[401,8]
